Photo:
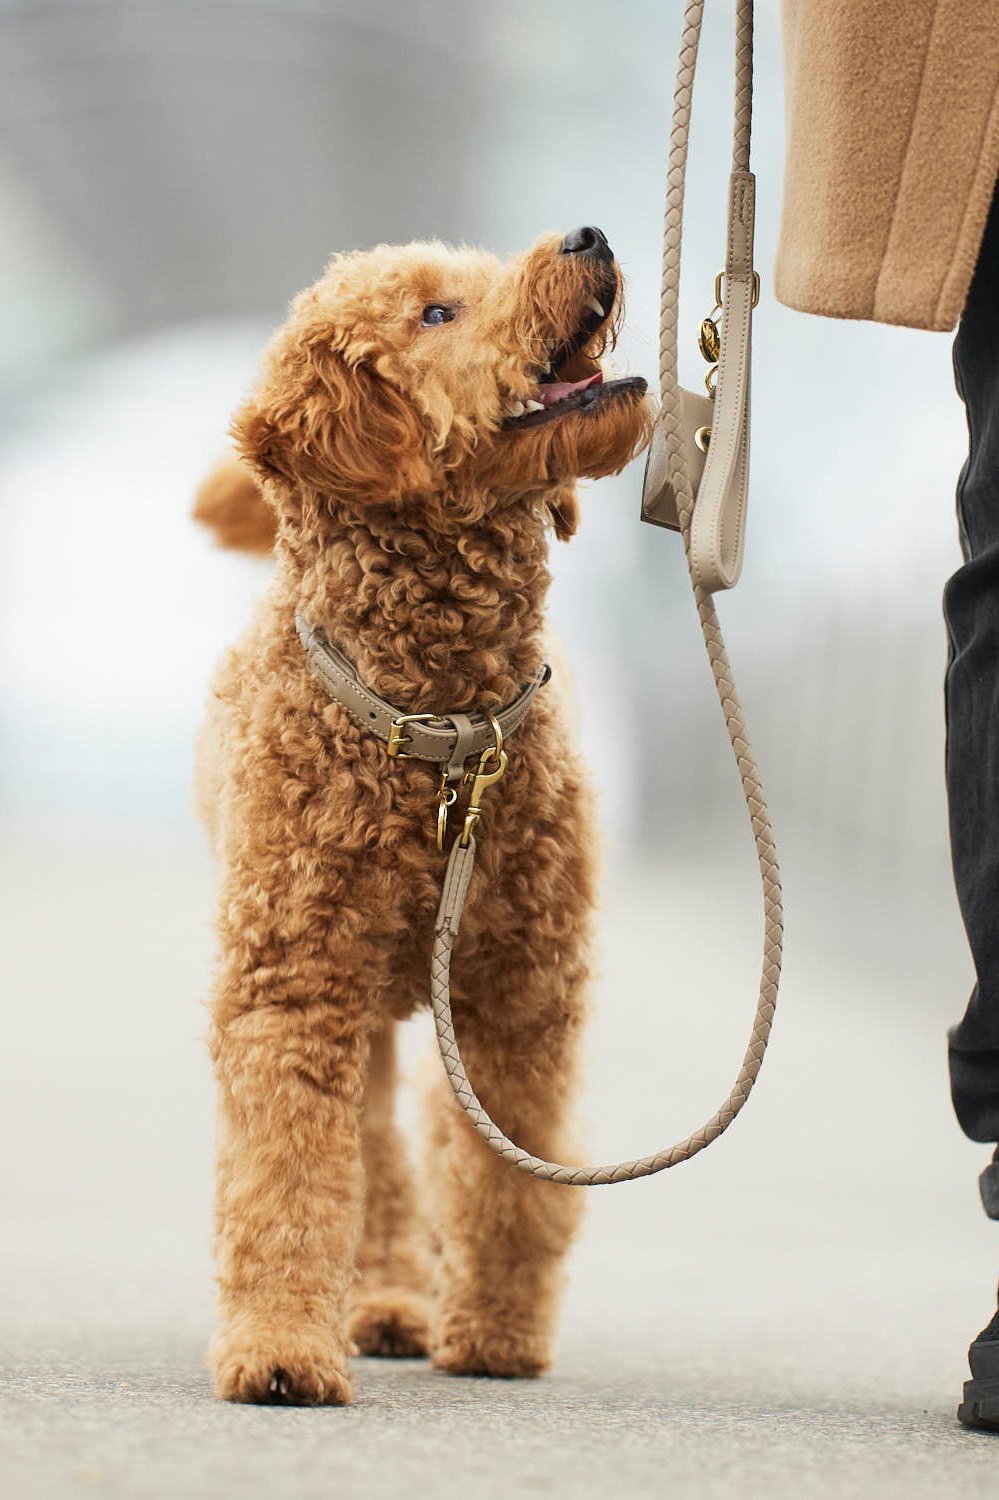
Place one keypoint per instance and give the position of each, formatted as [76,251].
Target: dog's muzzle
[587,240]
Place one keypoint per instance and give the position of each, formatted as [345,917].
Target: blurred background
[171,173]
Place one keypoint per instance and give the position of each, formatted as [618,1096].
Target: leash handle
[462,859]
[714,422]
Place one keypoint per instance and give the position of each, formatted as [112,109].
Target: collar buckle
[397,738]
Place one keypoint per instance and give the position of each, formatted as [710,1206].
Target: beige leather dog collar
[446,739]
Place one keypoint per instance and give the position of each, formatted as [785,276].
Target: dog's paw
[391,1323]
[462,1348]
[294,1369]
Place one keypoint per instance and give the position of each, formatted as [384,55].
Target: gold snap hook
[491,768]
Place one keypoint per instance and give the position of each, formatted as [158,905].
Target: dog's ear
[322,420]
[563,507]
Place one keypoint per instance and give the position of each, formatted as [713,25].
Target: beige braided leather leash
[459,869]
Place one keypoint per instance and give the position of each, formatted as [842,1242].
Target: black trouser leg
[971,608]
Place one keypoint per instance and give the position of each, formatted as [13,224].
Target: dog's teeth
[515,409]
[594,306]
[534,405]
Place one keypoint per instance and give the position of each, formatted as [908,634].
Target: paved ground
[785,1317]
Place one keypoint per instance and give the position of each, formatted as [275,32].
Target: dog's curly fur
[409,518]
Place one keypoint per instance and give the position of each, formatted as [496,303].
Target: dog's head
[421,374]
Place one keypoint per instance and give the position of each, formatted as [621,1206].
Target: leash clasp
[491,768]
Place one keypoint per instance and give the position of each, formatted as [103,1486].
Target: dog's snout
[587,240]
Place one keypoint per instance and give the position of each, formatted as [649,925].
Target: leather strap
[719,558]
[719,480]
[445,739]
[718,526]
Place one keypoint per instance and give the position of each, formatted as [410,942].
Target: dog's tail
[230,504]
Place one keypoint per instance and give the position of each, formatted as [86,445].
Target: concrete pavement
[785,1317]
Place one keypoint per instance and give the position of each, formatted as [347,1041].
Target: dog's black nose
[587,240]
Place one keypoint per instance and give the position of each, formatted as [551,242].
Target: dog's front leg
[388,1311]
[504,1235]
[295,1003]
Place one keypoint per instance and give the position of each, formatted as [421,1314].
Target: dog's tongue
[557,390]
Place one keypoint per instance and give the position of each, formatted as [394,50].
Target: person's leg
[971,607]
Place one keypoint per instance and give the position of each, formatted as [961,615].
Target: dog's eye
[436,313]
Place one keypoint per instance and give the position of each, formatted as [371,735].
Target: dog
[416,435]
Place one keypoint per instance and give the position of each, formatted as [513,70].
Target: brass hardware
[709,344]
[397,738]
[482,778]
[494,725]
[490,769]
[447,796]
[719,279]
[709,339]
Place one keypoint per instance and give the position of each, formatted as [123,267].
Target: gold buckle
[397,738]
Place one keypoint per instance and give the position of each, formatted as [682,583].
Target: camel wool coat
[892,113]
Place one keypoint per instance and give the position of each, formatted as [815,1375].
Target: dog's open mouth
[557,397]
[557,392]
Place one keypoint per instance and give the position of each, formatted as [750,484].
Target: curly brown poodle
[416,434]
